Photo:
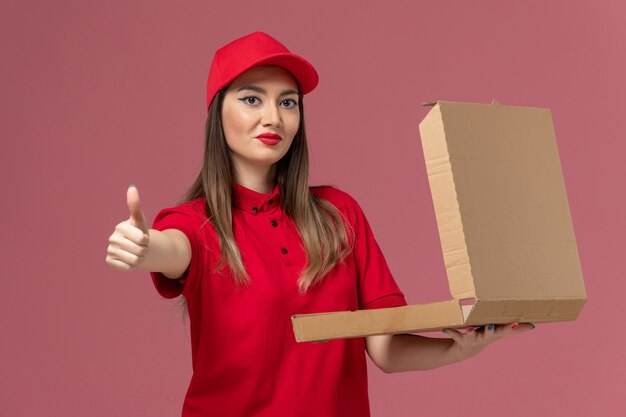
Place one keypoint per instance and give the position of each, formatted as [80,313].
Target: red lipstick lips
[269,138]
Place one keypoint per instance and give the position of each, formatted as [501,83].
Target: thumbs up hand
[129,242]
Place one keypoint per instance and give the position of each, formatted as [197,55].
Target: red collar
[254,202]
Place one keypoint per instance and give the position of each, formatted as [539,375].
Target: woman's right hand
[129,242]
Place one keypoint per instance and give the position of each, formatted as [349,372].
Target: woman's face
[263,100]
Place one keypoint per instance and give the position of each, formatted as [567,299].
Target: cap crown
[256,49]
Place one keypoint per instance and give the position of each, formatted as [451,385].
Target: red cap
[253,50]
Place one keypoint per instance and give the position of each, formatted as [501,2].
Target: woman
[253,244]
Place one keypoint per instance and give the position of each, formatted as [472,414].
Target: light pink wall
[96,95]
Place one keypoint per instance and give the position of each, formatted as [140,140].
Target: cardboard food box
[504,223]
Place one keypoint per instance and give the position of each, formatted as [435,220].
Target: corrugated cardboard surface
[526,311]
[504,223]
[326,326]
[500,202]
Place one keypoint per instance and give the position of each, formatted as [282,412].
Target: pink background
[97,95]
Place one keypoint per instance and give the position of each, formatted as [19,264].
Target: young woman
[253,244]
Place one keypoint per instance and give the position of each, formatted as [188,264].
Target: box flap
[500,201]
[406,319]
[524,311]
[442,188]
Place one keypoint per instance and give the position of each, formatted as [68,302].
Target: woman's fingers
[476,339]
[454,334]
[490,331]
[505,330]
[117,264]
[524,327]
[127,257]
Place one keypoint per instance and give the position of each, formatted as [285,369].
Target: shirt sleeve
[376,285]
[189,221]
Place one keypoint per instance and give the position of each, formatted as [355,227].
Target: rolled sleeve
[188,221]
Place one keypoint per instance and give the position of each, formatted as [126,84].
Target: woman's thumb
[136,215]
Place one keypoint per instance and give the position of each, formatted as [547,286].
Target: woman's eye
[249,99]
[290,104]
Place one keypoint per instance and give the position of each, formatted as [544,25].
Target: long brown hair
[327,236]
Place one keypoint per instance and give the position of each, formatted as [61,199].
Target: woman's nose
[271,115]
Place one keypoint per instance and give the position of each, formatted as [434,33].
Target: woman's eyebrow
[262,91]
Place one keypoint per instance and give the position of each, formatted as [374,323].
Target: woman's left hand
[473,340]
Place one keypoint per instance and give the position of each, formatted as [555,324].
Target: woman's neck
[260,180]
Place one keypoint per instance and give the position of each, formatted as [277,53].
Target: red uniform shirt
[246,361]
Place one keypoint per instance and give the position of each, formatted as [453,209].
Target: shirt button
[283,250]
[274,223]
[255,209]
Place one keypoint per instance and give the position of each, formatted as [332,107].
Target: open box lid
[500,202]
[504,224]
